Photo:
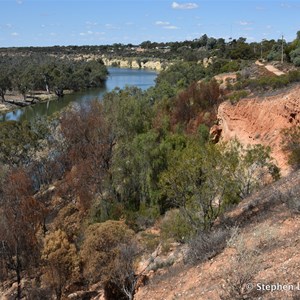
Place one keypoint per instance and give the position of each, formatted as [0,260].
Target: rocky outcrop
[260,121]
[134,63]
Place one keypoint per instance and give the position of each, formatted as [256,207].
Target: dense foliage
[26,74]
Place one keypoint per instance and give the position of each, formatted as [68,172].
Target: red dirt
[261,120]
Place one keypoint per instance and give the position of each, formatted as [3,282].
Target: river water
[117,78]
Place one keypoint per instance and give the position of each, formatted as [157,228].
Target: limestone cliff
[260,120]
[134,63]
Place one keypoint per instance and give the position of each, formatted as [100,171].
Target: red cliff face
[260,121]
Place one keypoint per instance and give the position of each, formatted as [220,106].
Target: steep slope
[262,251]
[260,120]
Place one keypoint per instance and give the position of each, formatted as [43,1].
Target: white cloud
[162,23]
[15,34]
[90,33]
[89,23]
[244,23]
[171,27]
[19,1]
[286,5]
[111,26]
[188,5]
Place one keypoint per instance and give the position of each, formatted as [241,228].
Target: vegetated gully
[117,78]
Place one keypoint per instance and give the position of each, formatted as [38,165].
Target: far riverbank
[118,77]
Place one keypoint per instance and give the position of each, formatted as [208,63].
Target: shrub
[206,245]
[294,76]
[292,200]
[231,66]
[108,253]
[237,95]
[296,61]
[291,144]
[268,82]
[203,132]
[245,265]
[61,259]
[175,226]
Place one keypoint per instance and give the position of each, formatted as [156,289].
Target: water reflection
[118,78]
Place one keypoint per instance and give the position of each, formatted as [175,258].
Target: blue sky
[98,22]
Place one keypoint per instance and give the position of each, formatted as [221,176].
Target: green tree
[198,182]
[202,180]
[18,141]
[5,84]
[250,166]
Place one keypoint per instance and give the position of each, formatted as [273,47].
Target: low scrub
[206,245]
[175,226]
[269,82]
[237,95]
[291,144]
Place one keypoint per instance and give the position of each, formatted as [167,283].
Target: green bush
[269,82]
[291,144]
[203,132]
[237,95]
[294,76]
[175,226]
[231,66]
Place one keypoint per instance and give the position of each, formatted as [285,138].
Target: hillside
[263,248]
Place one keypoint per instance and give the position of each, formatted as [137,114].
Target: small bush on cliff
[237,95]
[291,144]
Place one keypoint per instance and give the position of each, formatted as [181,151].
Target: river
[117,78]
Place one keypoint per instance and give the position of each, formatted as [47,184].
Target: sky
[102,22]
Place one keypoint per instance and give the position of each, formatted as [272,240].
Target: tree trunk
[18,272]
[2,94]
[58,292]
[59,92]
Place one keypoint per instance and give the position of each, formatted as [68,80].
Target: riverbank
[14,101]
[118,77]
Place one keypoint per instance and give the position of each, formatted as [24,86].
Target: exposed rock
[133,63]
[79,295]
[260,121]
[207,61]
[225,79]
